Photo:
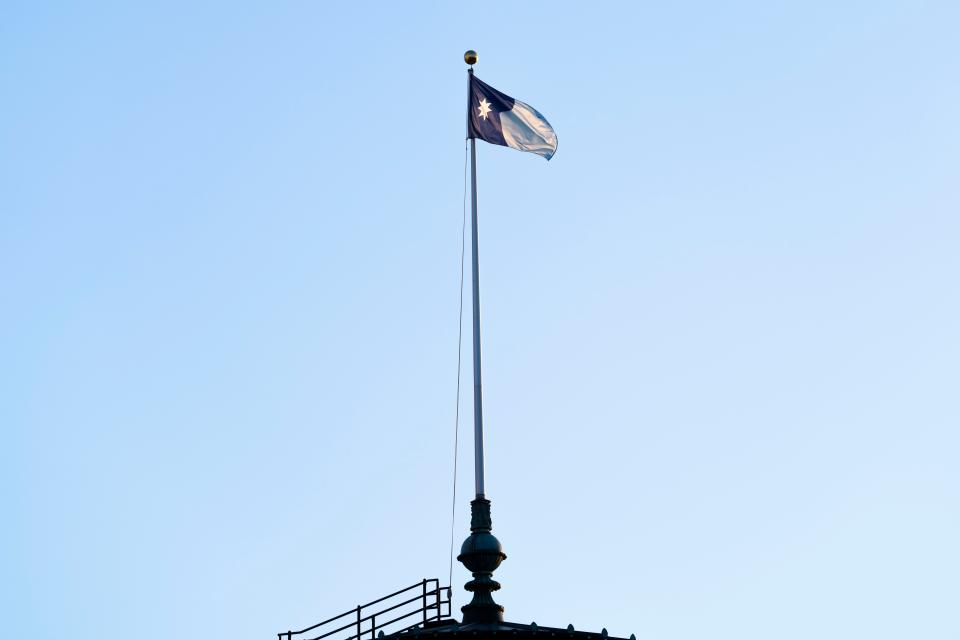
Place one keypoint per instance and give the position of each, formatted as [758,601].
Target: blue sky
[721,326]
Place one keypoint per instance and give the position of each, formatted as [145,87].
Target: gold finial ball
[470,57]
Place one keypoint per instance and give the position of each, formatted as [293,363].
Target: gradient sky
[721,326]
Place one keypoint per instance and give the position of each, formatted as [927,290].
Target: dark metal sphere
[470,57]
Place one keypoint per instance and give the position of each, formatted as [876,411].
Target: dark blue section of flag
[487,126]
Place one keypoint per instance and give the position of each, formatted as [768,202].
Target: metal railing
[362,623]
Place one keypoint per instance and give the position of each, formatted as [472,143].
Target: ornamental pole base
[481,554]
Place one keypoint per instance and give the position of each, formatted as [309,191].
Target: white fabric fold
[525,129]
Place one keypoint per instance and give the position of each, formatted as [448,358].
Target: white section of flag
[526,130]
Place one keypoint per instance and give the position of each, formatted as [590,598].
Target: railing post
[424,601]
[438,600]
[373,627]
[358,622]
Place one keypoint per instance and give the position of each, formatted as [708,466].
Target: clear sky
[721,326]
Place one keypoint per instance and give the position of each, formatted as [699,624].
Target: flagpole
[480,553]
[477,380]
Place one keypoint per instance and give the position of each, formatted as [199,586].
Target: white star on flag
[484,108]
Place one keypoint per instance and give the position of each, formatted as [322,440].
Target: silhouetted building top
[444,629]
[423,610]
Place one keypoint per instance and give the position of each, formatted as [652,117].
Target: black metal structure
[361,622]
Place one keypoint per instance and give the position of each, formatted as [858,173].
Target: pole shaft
[477,386]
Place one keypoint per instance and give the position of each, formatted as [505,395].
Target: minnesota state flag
[500,119]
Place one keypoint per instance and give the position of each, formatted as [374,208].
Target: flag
[499,119]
